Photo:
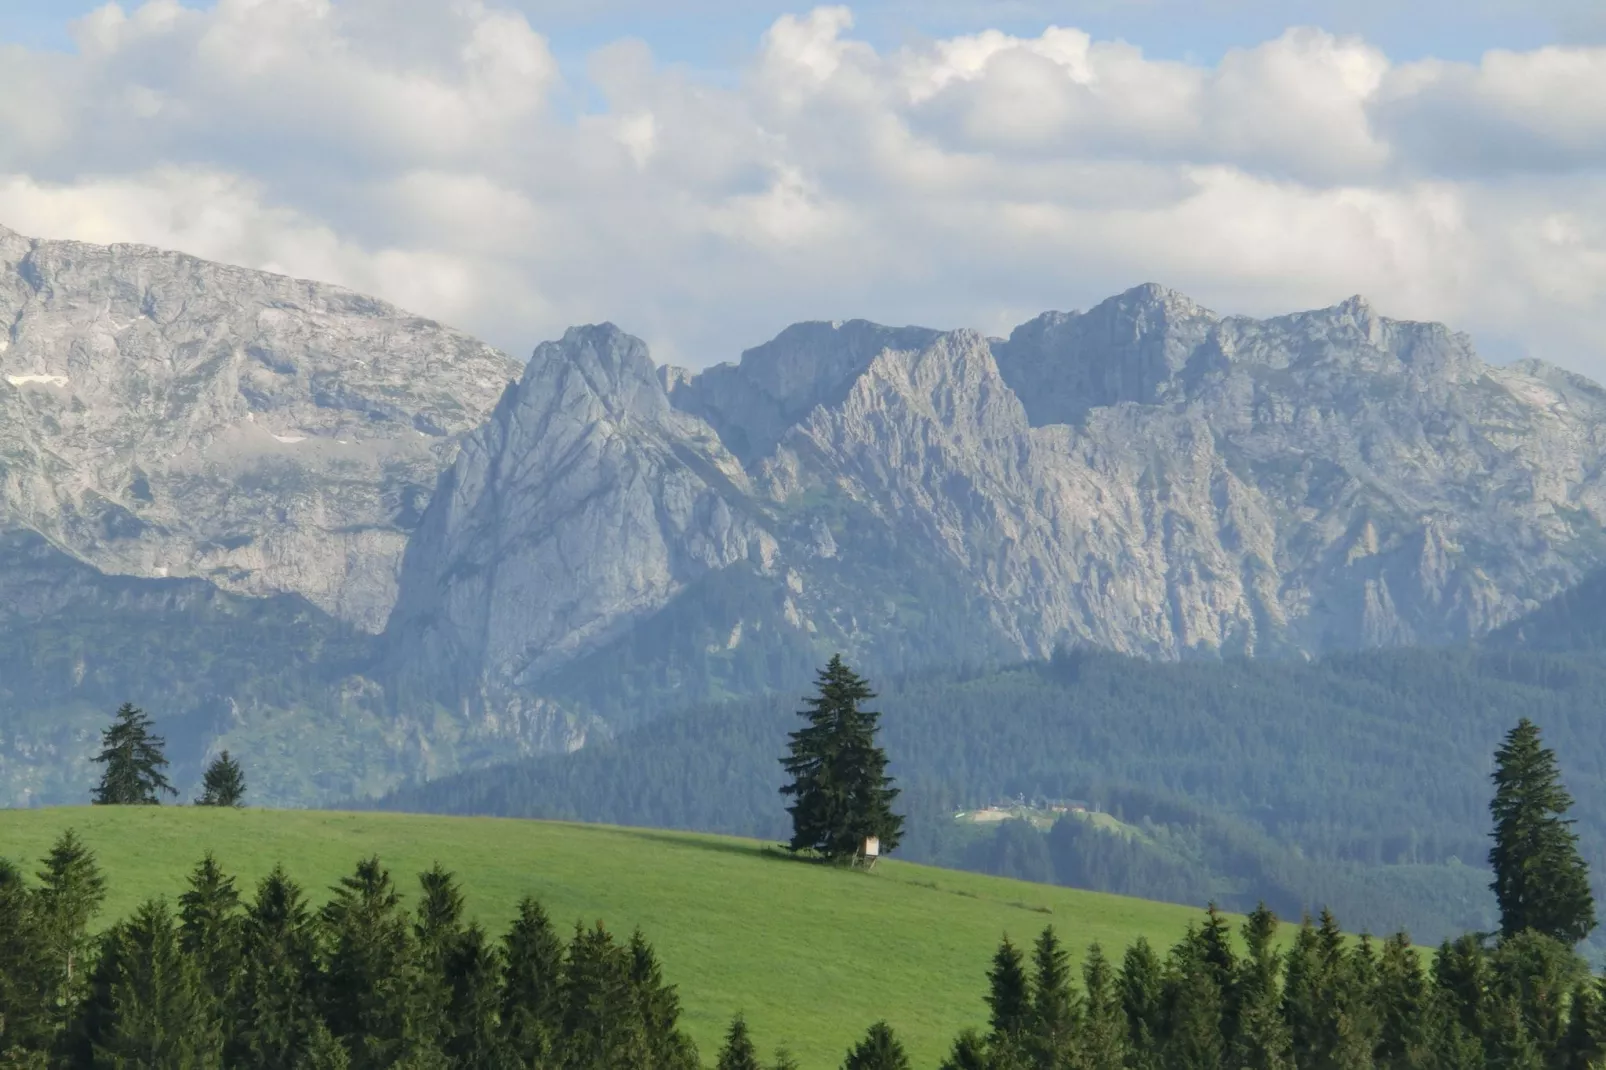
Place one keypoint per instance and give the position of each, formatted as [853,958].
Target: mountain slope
[1146,477]
[809,954]
[161,415]
[1359,781]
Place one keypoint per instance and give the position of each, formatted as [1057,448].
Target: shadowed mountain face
[1146,476]
[593,535]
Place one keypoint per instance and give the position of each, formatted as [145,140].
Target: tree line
[269,981]
[1354,782]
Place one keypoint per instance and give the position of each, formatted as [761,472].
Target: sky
[704,172]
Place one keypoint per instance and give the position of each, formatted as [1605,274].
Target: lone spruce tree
[223,783]
[134,762]
[842,793]
[1540,880]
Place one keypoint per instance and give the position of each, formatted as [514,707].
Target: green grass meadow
[812,955]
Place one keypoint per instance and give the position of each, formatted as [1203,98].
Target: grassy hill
[811,955]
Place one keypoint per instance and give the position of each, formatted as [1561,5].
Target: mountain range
[429,556]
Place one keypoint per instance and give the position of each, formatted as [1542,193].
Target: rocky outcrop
[1145,476]
[165,416]
[585,503]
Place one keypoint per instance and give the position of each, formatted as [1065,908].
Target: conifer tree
[667,1047]
[1584,1047]
[209,926]
[841,792]
[1102,1043]
[472,968]
[1405,1003]
[1357,1021]
[1462,990]
[26,1022]
[602,1024]
[1055,1007]
[1541,882]
[879,1050]
[374,996]
[1261,1040]
[738,1052]
[1536,974]
[146,1007]
[274,1018]
[1194,1008]
[532,980]
[968,1053]
[1009,997]
[437,927]
[133,758]
[223,784]
[70,892]
[1143,1004]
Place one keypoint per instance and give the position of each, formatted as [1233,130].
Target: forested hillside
[1359,781]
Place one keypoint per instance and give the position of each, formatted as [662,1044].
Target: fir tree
[1102,1043]
[375,998]
[1584,1046]
[1009,997]
[839,783]
[659,1003]
[1143,1004]
[1195,1007]
[134,762]
[437,927]
[968,1053]
[532,981]
[147,1008]
[273,1014]
[71,890]
[209,926]
[602,1025]
[1055,1010]
[1261,1040]
[1536,975]
[738,1052]
[223,784]
[472,969]
[1541,882]
[879,1050]
[1405,1003]
[1462,992]
[26,1023]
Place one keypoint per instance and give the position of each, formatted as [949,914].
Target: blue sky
[705,172]
[715,34]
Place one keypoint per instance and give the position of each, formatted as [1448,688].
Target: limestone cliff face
[1146,476]
[585,503]
[165,416]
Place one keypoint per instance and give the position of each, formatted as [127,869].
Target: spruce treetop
[223,784]
[842,794]
[1541,881]
[132,755]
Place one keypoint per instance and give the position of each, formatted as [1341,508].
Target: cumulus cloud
[437,154]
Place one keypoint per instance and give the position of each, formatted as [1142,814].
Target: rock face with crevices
[1146,476]
[161,415]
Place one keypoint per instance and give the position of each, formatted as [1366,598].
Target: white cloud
[434,154]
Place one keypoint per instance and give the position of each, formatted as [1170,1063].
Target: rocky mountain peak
[614,367]
[166,416]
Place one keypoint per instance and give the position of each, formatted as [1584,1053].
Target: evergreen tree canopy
[1541,882]
[738,1052]
[879,1050]
[148,1005]
[839,783]
[134,762]
[71,890]
[223,783]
